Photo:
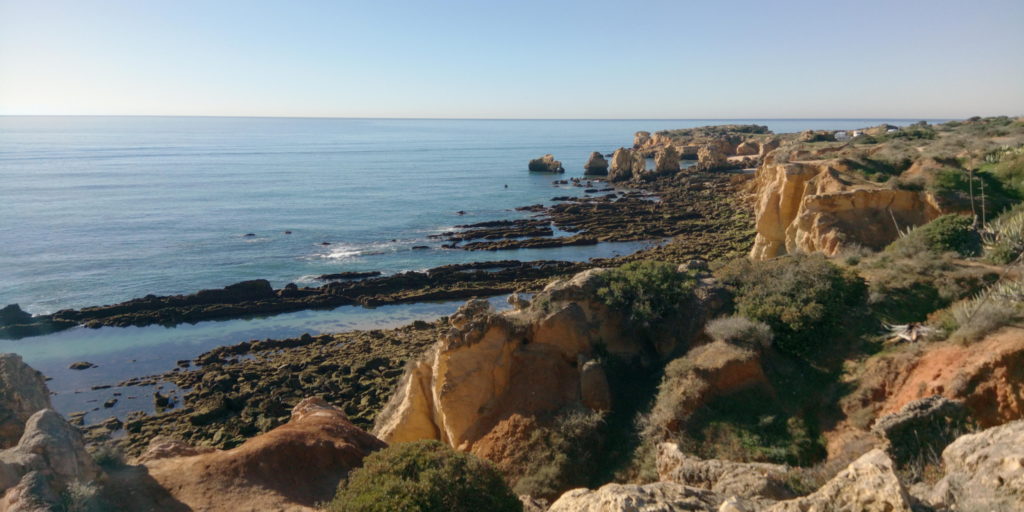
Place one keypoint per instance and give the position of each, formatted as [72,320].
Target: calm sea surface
[98,210]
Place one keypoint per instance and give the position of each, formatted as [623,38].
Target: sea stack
[546,163]
[596,165]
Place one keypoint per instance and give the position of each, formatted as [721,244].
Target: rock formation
[812,206]
[596,165]
[546,163]
[666,160]
[869,484]
[921,428]
[753,482]
[292,467]
[626,164]
[22,393]
[49,457]
[711,157]
[984,376]
[656,497]
[529,362]
[983,471]
[748,148]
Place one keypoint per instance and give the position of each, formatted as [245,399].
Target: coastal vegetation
[424,476]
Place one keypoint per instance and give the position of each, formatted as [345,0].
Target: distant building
[842,136]
[857,133]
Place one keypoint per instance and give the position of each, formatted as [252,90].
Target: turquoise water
[98,210]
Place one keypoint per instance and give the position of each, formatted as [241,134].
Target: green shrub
[1008,167]
[648,290]
[562,456]
[109,455]
[1000,305]
[424,476]
[803,298]
[740,330]
[947,233]
[909,288]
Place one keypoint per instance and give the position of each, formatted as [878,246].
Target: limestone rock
[546,163]
[748,148]
[751,481]
[711,157]
[869,484]
[666,160]
[984,471]
[626,164]
[53,450]
[767,147]
[922,427]
[596,165]
[641,139]
[292,467]
[22,393]
[813,207]
[656,497]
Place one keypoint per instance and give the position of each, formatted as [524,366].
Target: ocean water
[98,210]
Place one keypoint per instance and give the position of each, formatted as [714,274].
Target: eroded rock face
[23,392]
[50,456]
[711,157]
[596,165]
[760,482]
[666,160]
[922,427]
[748,148]
[546,163]
[812,206]
[529,362]
[292,467]
[656,497]
[626,164]
[984,471]
[985,376]
[869,484]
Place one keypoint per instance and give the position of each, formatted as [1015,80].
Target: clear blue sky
[532,59]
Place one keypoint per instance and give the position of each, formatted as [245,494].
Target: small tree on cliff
[424,476]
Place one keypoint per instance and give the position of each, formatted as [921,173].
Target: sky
[513,59]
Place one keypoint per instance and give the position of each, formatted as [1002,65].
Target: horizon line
[399,118]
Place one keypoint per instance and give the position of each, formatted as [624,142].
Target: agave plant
[1003,238]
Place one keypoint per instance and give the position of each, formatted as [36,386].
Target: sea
[99,210]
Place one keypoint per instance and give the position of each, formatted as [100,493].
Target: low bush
[562,456]
[909,288]
[740,330]
[805,300]
[424,476]
[948,233]
[648,290]
[109,455]
[1000,305]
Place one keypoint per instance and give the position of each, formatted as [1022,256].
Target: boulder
[869,484]
[596,165]
[546,163]
[292,467]
[984,471]
[49,457]
[748,148]
[768,146]
[656,497]
[922,427]
[13,315]
[758,482]
[641,139]
[666,160]
[22,393]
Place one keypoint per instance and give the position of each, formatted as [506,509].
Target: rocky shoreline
[695,207]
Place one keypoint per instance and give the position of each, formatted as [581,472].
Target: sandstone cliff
[529,362]
[817,206]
